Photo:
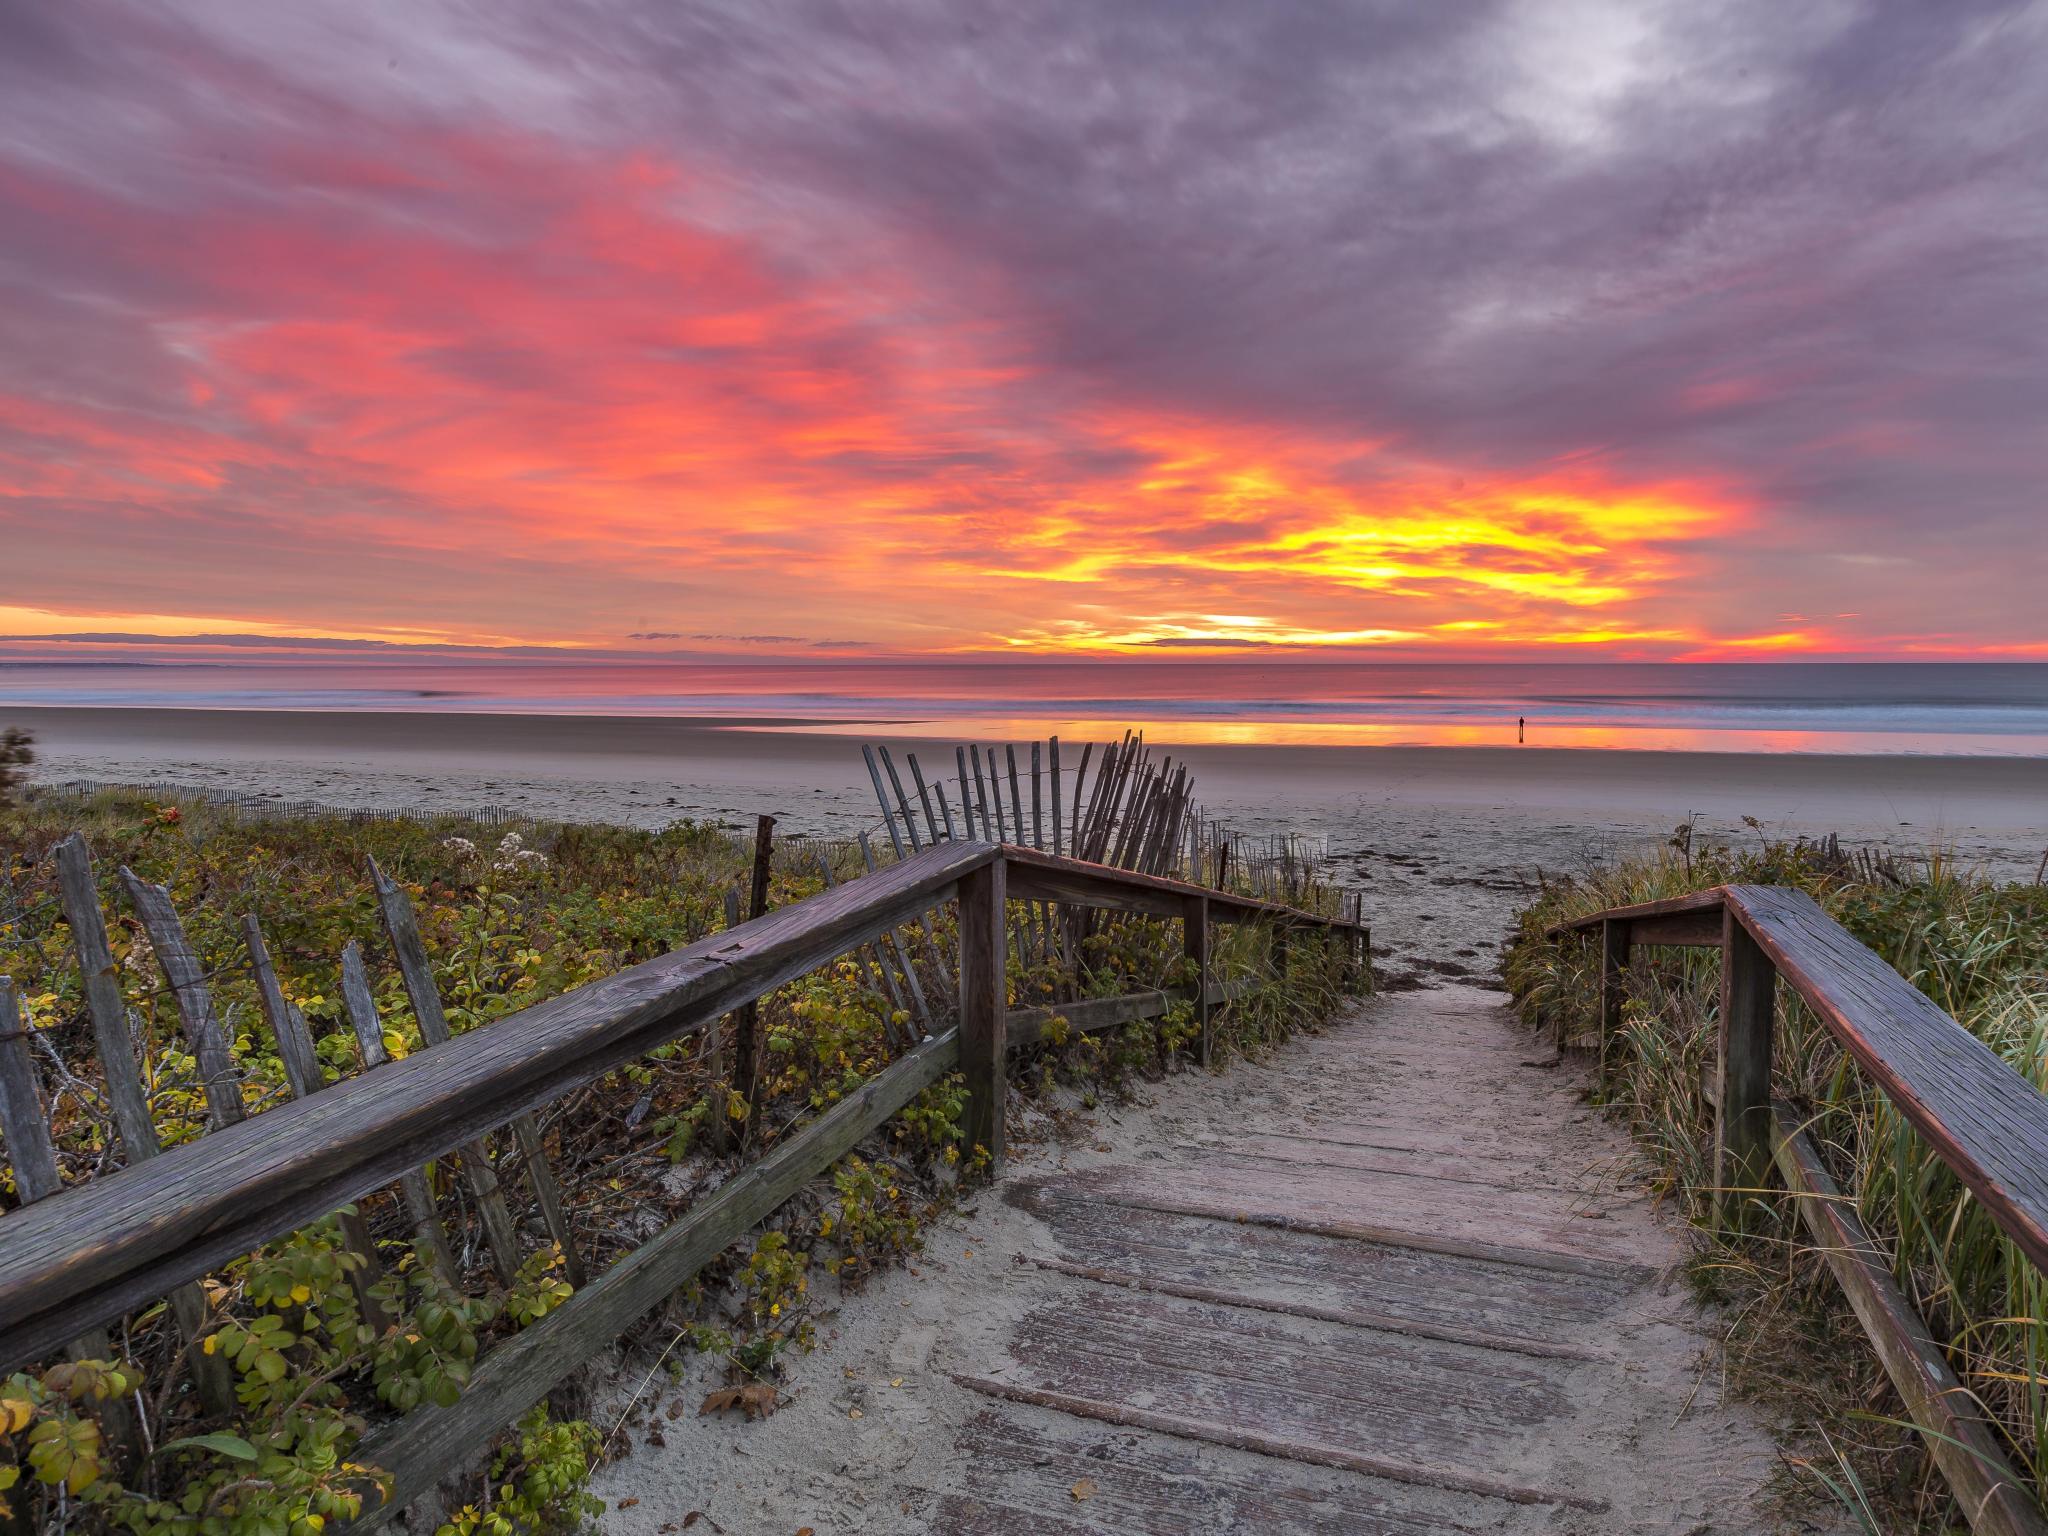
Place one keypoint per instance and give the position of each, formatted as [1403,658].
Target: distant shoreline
[1446,841]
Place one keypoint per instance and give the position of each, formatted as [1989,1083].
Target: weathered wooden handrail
[97,1250]
[1985,1121]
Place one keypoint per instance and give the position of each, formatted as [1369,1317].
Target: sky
[1689,330]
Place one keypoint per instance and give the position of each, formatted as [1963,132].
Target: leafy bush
[321,1344]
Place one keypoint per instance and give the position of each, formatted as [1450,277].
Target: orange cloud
[569,409]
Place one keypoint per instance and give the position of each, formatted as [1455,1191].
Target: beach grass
[511,913]
[1979,948]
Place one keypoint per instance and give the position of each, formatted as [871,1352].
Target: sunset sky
[1690,330]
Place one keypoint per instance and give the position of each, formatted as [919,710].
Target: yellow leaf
[1084,1489]
[15,1412]
[302,1293]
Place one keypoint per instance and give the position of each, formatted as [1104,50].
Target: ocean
[1969,708]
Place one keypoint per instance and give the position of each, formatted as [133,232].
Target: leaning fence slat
[866,956]
[867,754]
[36,1177]
[104,1006]
[418,977]
[412,1185]
[302,1072]
[217,1070]
[924,1012]
[294,1041]
[132,1119]
[903,805]
[924,799]
[29,1147]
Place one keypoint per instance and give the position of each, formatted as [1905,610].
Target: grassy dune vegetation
[509,917]
[1977,947]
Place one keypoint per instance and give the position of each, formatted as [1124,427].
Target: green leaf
[222,1443]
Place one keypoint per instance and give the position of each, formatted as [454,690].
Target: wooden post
[1195,931]
[984,1001]
[747,1020]
[1742,1123]
[1614,957]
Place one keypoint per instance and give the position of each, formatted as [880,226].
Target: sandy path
[1395,1279]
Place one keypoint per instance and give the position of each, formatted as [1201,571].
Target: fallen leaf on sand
[1084,1489]
[756,1401]
[625,1504]
[896,1381]
[853,1413]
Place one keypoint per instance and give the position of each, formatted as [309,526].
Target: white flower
[461,847]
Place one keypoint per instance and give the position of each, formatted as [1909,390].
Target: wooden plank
[1019,1466]
[1037,875]
[1981,1117]
[88,1254]
[1678,930]
[1460,1299]
[984,1005]
[1413,1410]
[1195,940]
[500,1236]
[1742,1117]
[413,1189]
[1992,1495]
[79,894]
[1692,901]
[428,1444]
[1024,1027]
[218,1073]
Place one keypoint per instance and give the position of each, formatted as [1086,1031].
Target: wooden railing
[85,1256]
[1981,1118]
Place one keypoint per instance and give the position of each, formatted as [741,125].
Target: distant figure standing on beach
[1521,726]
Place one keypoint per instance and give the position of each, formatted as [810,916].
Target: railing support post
[747,1019]
[1194,923]
[1614,956]
[984,951]
[1742,1126]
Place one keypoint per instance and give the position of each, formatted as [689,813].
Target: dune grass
[1978,948]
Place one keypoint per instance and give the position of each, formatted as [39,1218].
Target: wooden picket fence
[77,1260]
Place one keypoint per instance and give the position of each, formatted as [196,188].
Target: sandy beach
[1444,840]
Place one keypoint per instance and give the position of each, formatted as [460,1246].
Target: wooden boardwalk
[1398,1280]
